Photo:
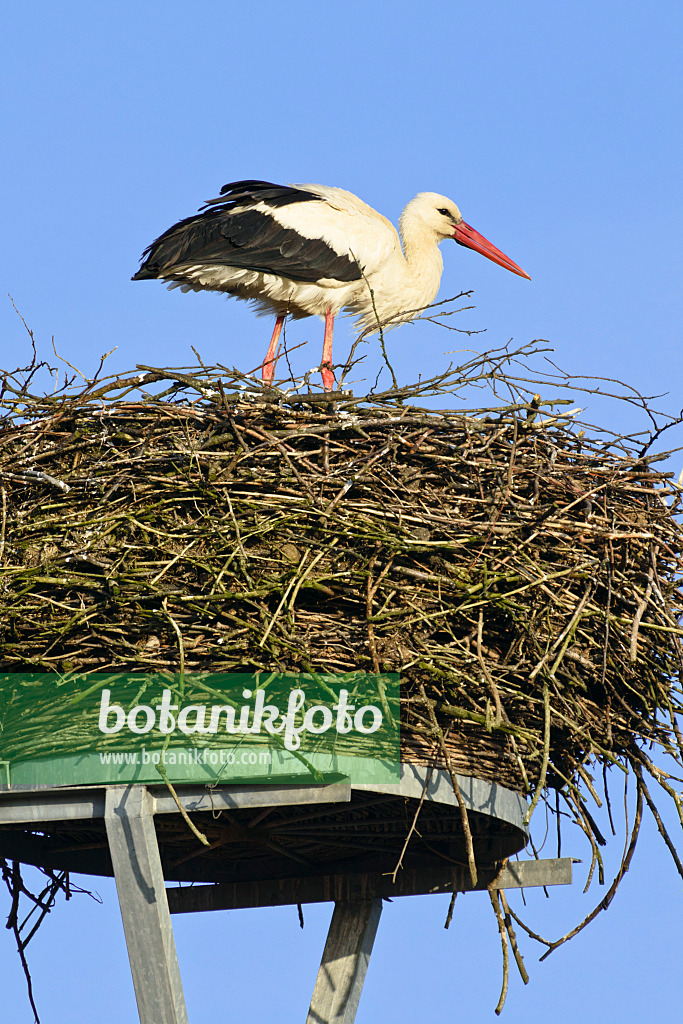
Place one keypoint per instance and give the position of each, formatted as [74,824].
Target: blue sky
[556,129]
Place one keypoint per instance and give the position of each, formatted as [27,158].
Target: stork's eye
[446,213]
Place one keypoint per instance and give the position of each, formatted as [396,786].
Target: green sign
[81,729]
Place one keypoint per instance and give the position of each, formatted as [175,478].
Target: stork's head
[439,216]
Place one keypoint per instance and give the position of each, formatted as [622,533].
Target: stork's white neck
[422,255]
[407,280]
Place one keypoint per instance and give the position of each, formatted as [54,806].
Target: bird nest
[520,572]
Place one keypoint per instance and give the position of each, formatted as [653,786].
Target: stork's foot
[327,374]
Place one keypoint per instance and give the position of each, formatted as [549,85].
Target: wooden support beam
[278,892]
[344,962]
[144,909]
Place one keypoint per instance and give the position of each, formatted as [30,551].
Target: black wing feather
[228,231]
[244,192]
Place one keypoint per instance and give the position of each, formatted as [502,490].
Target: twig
[464,817]
[494,897]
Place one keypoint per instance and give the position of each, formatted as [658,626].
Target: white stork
[313,250]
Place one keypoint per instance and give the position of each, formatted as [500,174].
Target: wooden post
[129,818]
[345,962]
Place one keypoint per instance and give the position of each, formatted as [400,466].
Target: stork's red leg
[326,365]
[268,368]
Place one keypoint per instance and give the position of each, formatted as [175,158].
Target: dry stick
[607,799]
[565,636]
[380,329]
[290,587]
[369,597]
[655,814]
[4,523]
[493,896]
[175,559]
[15,886]
[607,899]
[160,767]
[583,825]
[200,835]
[283,450]
[371,590]
[438,732]
[520,763]
[489,678]
[589,785]
[414,822]
[301,579]
[629,847]
[506,495]
[661,778]
[519,960]
[240,546]
[675,728]
[532,934]
[633,650]
[546,755]
[451,906]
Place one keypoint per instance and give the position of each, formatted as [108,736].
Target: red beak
[467,236]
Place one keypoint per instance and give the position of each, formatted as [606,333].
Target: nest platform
[521,576]
[263,833]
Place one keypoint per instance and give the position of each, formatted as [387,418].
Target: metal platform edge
[30,806]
